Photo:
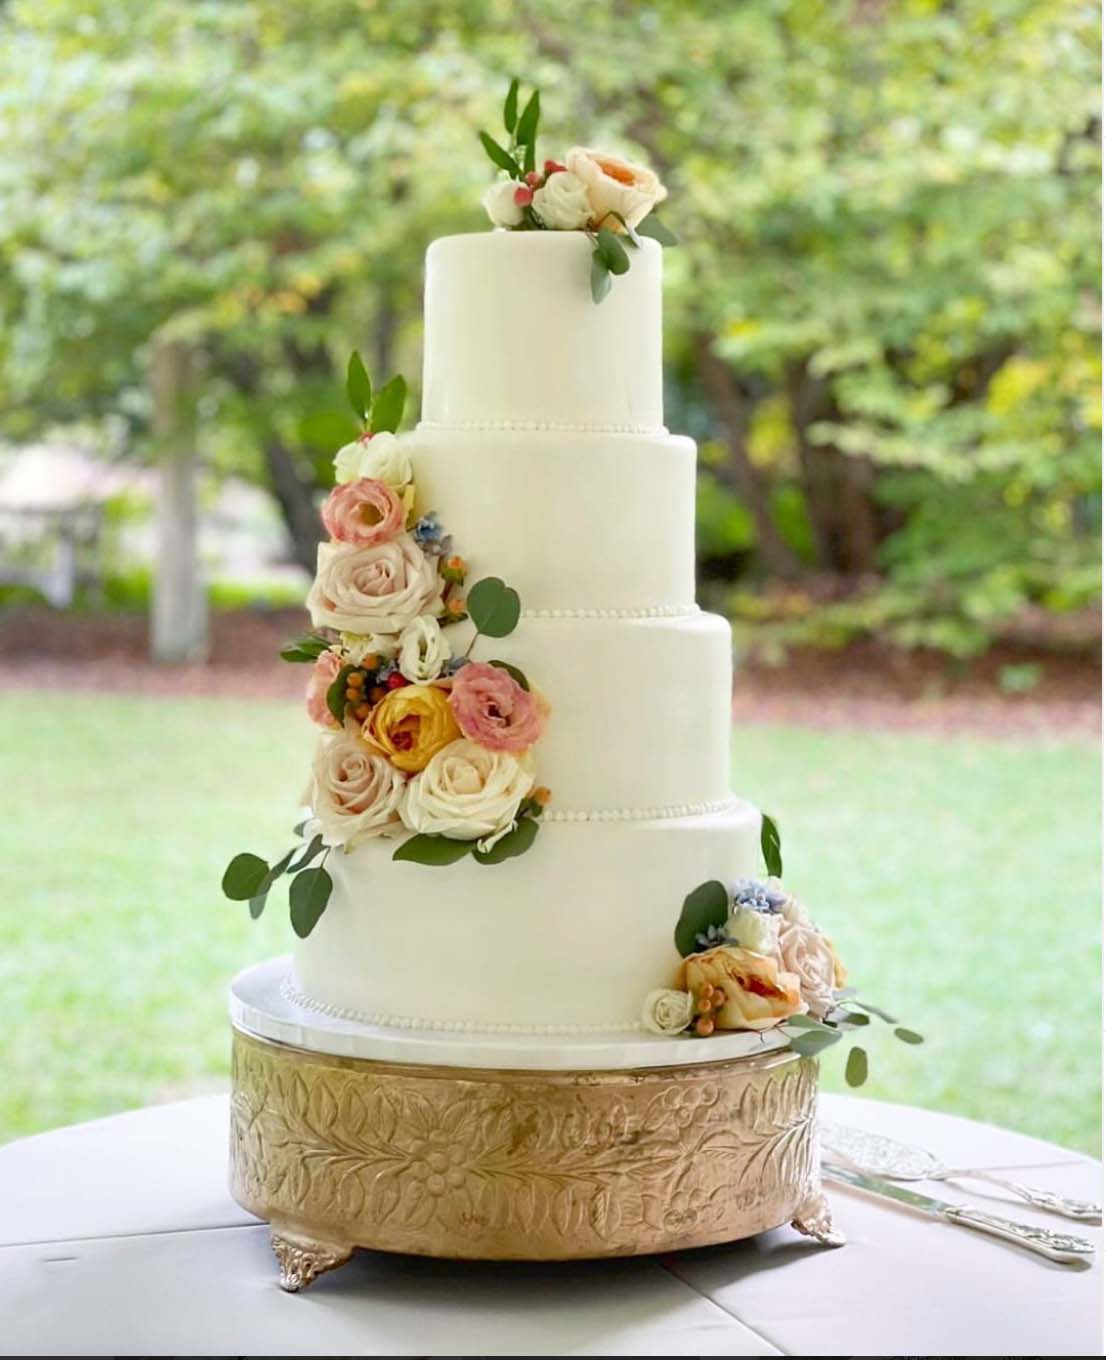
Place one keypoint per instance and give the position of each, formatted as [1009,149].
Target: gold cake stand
[337,1152]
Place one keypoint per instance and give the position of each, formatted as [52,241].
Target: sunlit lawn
[959,878]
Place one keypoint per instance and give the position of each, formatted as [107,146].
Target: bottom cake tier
[567,939]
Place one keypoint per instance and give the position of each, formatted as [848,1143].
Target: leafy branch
[249,878]
[377,411]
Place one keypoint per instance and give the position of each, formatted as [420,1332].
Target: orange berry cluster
[711,1000]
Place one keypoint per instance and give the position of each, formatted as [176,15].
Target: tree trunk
[731,407]
[179,626]
[296,498]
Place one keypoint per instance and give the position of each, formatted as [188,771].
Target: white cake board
[259,1006]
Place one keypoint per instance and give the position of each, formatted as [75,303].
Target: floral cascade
[414,738]
[752,959]
[608,198]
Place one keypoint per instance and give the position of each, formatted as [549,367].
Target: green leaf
[336,694]
[510,108]
[612,251]
[515,842]
[257,904]
[706,905]
[244,876]
[853,1019]
[600,278]
[308,855]
[502,158]
[529,158]
[300,828]
[307,647]
[770,846]
[514,672]
[526,132]
[807,1022]
[909,1036]
[359,387]
[307,899]
[387,410]
[493,607]
[654,227]
[856,1067]
[812,1042]
[875,1010]
[433,850]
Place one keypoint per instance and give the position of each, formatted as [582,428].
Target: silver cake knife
[1062,1247]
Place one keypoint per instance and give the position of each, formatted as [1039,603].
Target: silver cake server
[880,1156]
[1060,1247]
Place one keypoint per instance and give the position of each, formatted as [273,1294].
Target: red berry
[523,195]
[551,168]
[396,681]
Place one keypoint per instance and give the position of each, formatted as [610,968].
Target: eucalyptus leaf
[526,130]
[432,850]
[812,1042]
[515,842]
[299,828]
[854,1019]
[510,108]
[600,278]
[336,694]
[493,607]
[257,903]
[909,1036]
[307,899]
[387,408]
[875,1010]
[770,846]
[856,1067]
[654,227]
[502,158]
[513,671]
[244,877]
[359,387]
[612,251]
[308,855]
[807,1022]
[706,905]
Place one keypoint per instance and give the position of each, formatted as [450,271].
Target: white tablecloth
[118,1237]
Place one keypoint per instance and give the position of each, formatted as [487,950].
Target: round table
[119,1237]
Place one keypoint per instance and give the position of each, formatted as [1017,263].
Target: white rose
[354,794]
[615,185]
[808,954]
[562,202]
[468,792]
[755,930]
[381,456]
[499,203]
[667,1011]
[423,651]
[379,589]
[357,646]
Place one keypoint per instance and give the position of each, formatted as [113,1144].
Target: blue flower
[712,937]
[430,536]
[759,896]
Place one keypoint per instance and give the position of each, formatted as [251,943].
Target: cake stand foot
[814,1220]
[302,1258]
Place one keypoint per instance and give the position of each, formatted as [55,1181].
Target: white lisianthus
[357,646]
[499,203]
[378,589]
[355,794]
[382,457]
[467,792]
[562,202]
[423,651]
[615,185]
[667,1011]
[755,930]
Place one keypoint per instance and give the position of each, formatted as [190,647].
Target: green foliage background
[882,323]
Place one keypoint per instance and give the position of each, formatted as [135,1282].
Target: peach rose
[759,995]
[409,725]
[354,794]
[323,675]
[378,589]
[615,185]
[467,792]
[363,512]
[492,708]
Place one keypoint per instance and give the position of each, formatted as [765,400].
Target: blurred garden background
[882,325]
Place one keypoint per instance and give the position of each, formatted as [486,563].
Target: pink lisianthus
[493,709]
[327,666]
[363,512]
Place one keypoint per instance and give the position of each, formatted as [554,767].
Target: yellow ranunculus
[410,725]
[758,993]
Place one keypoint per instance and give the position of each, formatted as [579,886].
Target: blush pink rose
[327,666]
[363,512]
[494,710]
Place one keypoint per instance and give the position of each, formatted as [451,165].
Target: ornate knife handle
[1041,1199]
[1061,1247]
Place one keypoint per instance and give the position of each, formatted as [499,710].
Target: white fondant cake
[542,447]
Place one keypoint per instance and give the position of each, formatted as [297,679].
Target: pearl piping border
[645,814]
[654,611]
[537,426]
[381,1020]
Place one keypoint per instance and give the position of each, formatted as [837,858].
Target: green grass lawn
[958,877]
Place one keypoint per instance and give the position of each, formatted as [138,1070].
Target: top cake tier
[514,341]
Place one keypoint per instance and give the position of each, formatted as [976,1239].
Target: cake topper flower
[607,197]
